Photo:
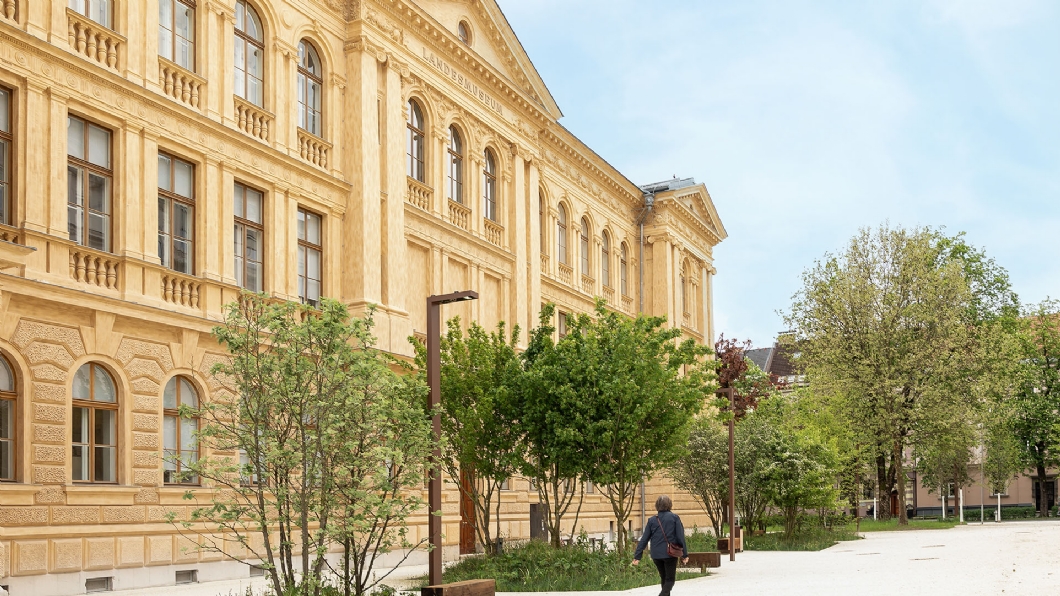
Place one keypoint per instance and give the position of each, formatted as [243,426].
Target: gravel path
[1006,558]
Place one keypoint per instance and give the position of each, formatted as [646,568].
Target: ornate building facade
[160,155]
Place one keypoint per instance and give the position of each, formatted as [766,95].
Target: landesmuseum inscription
[463,81]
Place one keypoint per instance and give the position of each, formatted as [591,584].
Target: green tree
[1035,403]
[889,325]
[480,372]
[703,471]
[642,386]
[798,470]
[550,425]
[312,441]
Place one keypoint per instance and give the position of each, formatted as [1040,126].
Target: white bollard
[875,509]
[960,503]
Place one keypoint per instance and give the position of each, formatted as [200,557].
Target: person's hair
[663,503]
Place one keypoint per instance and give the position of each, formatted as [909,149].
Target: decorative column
[515,207]
[393,153]
[534,257]
[363,237]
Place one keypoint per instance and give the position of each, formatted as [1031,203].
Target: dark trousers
[667,574]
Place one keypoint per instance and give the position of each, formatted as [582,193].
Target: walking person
[666,534]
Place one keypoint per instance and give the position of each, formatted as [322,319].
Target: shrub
[536,567]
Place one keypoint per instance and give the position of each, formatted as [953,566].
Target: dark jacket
[675,531]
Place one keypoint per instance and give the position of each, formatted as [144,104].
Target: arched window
[605,259]
[456,166]
[623,270]
[250,55]
[310,82]
[414,143]
[489,186]
[95,425]
[561,235]
[585,246]
[180,445]
[464,31]
[8,439]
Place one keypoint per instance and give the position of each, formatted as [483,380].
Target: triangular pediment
[697,201]
[493,41]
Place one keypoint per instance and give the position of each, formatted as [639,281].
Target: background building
[159,156]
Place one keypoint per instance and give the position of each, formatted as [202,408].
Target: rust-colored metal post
[434,385]
[732,475]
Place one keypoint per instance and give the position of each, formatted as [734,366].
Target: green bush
[537,567]
[699,541]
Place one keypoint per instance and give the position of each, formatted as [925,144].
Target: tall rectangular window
[249,237]
[310,257]
[5,157]
[561,327]
[176,213]
[97,10]
[176,32]
[88,183]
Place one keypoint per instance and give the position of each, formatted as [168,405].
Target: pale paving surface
[1007,558]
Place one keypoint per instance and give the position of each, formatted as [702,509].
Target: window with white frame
[489,186]
[89,180]
[414,143]
[310,257]
[456,166]
[96,10]
[179,433]
[249,55]
[94,436]
[176,32]
[176,213]
[310,83]
[249,237]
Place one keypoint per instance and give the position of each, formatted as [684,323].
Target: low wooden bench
[703,561]
[474,587]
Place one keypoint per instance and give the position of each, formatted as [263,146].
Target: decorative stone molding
[180,84]
[94,41]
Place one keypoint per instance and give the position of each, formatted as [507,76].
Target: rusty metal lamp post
[728,392]
[434,383]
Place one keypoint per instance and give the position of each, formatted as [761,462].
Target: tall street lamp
[728,392]
[434,383]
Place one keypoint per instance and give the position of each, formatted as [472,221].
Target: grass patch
[807,539]
[537,567]
[891,525]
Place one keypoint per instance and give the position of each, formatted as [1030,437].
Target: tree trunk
[883,489]
[903,518]
[1043,497]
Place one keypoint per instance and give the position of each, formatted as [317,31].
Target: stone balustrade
[627,304]
[609,295]
[252,120]
[181,84]
[419,194]
[494,231]
[588,284]
[94,268]
[313,149]
[459,214]
[94,41]
[181,290]
[566,273]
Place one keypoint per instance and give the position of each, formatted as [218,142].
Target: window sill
[15,493]
[101,494]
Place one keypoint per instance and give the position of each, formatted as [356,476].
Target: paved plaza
[1006,558]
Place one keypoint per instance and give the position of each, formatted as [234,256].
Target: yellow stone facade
[213,85]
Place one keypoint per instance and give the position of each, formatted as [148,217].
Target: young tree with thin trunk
[298,438]
[480,372]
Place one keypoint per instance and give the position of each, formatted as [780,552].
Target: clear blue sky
[809,119]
